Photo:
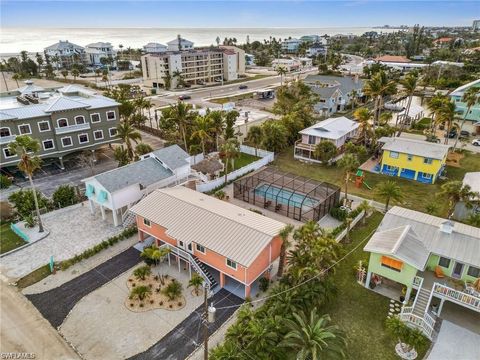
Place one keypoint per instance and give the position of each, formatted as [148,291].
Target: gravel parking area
[55,304]
[72,230]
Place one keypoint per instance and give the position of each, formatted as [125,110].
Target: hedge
[125,234]
[352,215]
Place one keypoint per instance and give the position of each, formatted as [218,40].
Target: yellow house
[412,159]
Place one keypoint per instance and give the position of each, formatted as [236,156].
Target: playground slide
[366,185]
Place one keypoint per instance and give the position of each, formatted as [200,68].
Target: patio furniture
[439,272]
[267,204]
[278,207]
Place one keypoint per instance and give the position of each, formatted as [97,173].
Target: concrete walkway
[180,342]
[455,343]
[55,304]
[72,230]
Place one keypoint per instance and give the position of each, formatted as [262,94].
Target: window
[5,131]
[473,271]
[391,168]
[444,262]
[427,161]
[200,248]
[111,115]
[83,138]
[180,244]
[24,129]
[146,222]
[112,132]
[98,134]
[95,118]
[394,154]
[311,139]
[409,157]
[392,264]
[79,120]
[67,141]
[7,153]
[43,126]
[231,264]
[426,176]
[48,144]
[62,123]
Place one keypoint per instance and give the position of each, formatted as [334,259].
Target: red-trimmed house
[226,244]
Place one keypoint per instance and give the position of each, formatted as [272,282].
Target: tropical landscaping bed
[412,191]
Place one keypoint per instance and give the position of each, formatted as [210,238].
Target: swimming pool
[284,196]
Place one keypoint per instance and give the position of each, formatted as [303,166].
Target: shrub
[30,221]
[220,194]
[24,203]
[160,303]
[142,272]
[263,284]
[5,182]
[173,290]
[140,293]
[64,196]
[338,213]
[179,303]
[170,306]
[152,301]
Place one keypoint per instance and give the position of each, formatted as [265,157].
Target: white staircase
[421,302]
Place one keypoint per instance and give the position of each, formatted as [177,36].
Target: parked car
[242,87]
[476,142]
[464,134]
[184,97]
[452,134]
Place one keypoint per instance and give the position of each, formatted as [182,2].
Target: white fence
[266,157]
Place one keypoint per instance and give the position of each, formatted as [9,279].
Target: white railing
[266,157]
[429,319]
[417,282]
[421,323]
[187,256]
[457,296]
[72,128]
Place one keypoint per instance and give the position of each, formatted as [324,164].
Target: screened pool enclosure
[294,196]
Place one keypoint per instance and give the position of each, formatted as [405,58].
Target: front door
[190,248]
[457,270]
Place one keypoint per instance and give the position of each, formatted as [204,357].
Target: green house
[425,261]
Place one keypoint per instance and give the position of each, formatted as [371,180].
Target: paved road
[176,344]
[55,304]
[25,331]
[470,147]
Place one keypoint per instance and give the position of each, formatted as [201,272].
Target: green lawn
[241,161]
[34,277]
[8,239]
[360,312]
[416,195]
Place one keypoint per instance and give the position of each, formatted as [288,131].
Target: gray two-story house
[66,120]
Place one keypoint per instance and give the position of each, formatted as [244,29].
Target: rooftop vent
[22,100]
[447,227]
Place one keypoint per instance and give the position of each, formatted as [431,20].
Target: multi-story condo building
[196,66]
[291,45]
[64,121]
[66,54]
[154,48]
[96,51]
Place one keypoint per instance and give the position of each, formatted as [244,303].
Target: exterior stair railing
[459,297]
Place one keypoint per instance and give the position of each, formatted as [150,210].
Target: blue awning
[102,197]
[90,190]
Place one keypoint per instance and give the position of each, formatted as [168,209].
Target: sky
[236,14]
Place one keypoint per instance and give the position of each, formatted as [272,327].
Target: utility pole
[205,324]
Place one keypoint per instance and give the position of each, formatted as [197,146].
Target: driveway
[55,304]
[455,343]
[180,342]
[72,230]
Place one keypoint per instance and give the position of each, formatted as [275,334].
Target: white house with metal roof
[179,44]
[65,53]
[226,244]
[154,48]
[337,130]
[117,190]
[438,259]
[96,51]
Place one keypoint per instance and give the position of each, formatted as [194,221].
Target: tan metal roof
[463,244]
[227,229]
[401,242]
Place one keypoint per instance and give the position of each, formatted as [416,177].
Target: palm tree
[56,61]
[181,114]
[284,235]
[366,208]
[313,338]
[140,293]
[363,117]
[353,97]
[349,163]
[255,136]
[218,125]
[455,191]
[377,88]
[154,253]
[281,70]
[75,74]
[142,149]
[389,190]
[435,104]
[446,114]
[26,148]
[16,77]
[470,98]
[142,272]
[97,74]
[202,128]
[409,84]
[173,290]
[64,73]
[229,150]
[178,74]
[127,133]
[196,282]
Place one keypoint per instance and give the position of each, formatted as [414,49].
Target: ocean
[14,40]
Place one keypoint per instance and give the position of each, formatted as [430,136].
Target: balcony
[7,139]
[72,128]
